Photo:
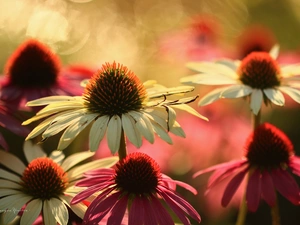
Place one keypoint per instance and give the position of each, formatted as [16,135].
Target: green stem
[275,214]
[256,119]
[122,150]
[242,212]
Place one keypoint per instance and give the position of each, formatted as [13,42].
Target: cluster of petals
[54,209]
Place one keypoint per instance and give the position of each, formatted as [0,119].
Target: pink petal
[183,204]
[87,193]
[161,212]
[227,165]
[232,187]
[99,208]
[182,184]
[3,143]
[295,165]
[286,185]
[173,205]
[100,172]
[87,182]
[136,212]
[118,211]
[165,179]
[267,188]
[253,192]
[149,215]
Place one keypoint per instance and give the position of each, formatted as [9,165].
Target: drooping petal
[57,156]
[267,189]
[118,211]
[286,185]
[12,162]
[162,133]
[236,91]
[52,99]
[31,212]
[190,110]
[79,208]
[211,96]
[74,159]
[32,151]
[59,211]
[114,134]
[177,130]
[8,176]
[294,164]
[256,100]
[292,92]
[97,132]
[161,213]
[253,191]
[274,52]
[232,186]
[149,216]
[181,184]
[131,130]
[275,96]
[48,217]
[289,71]
[136,212]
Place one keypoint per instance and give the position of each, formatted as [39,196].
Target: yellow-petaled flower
[258,76]
[114,101]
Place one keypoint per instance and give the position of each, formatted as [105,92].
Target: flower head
[258,76]
[114,100]
[268,156]
[34,71]
[45,186]
[136,185]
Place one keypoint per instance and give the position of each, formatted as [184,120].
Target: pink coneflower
[268,156]
[9,121]
[34,71]
[137,185]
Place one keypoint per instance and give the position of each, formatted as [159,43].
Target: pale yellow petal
[53,99]
[32,151]
[114,133]
[256,100]
[292,92]
[75,158]
[97,132]
[12,162]
[31,212]
[131,131]
[275,96]
[59,211]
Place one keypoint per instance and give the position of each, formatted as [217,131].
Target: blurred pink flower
[34,71]
[268,154]
[138,184]
[199,40]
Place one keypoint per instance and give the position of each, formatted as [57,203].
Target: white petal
[74,159]
[213,68]
[48,217]
[211,96]
[32,151]
[59,107]
[9,184]
[162,133]
[31,212]
[79,209]
[233,64]
[72,131]
[289,72]
[12,162]
[171,116]
[59,211]
[114,133]
[52,99]
[274,52]
[177,130]
[256,100]
[97,132]
[131,131]
[144,125]
[158,115]
[57,156]
[8,191]
[9,176]
[275,96]
[208,79]
[190,110]
[236,91]
[292,92]
[163,91]
[77,172]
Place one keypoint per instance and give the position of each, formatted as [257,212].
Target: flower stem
[122,150]
[256,119]
[275,214]
[242,212]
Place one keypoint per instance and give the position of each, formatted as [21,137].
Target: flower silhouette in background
[45,186]
[114,101]
[9,120]
[258,76]
[269,154]
[34,71]
[136,185]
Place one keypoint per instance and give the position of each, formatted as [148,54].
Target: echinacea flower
[136,186]
[258,76]
[34,71]
[114,100]
[45,186]
[9,120]
[269,155]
